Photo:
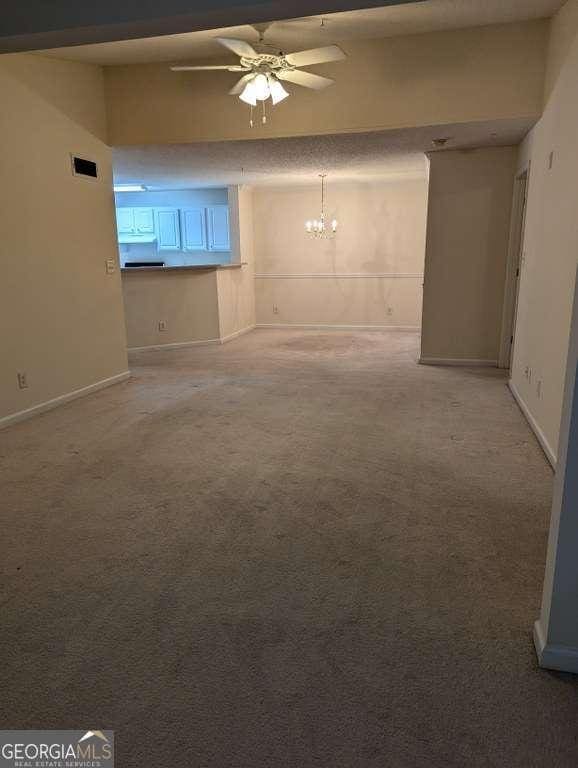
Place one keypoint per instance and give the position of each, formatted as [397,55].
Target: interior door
[523,182]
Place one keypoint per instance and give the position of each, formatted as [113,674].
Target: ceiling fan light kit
[265,71]
[260,88]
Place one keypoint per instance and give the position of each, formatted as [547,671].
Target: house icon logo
[97,734]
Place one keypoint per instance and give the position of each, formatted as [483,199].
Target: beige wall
[61,317]
[551,237]
[433,78]
[236,287]
[369,275]
[185,300]
[470,199]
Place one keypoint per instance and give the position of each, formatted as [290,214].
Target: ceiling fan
[266,72]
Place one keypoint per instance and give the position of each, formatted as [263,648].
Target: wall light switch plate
[110,266]
[163,325]
[22,380]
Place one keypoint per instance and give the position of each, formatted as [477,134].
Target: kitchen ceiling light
[129,188]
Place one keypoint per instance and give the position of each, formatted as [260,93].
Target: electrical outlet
[110,266]
[22,380]
[163,325]
[275,309]
[389,311]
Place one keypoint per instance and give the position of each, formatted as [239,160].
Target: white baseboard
[328,327]
[14,418]
[231,336]
[197,343]
[540,436]
[560,657]
[338,275]
[175,345]
[465,361]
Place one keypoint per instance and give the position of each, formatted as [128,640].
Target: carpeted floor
[298,549]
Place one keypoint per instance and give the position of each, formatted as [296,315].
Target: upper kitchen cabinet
[135,225]
[193,232]
[125,221]
[168,229]
[135,221]
[194,229]
[144,221]
[218,228]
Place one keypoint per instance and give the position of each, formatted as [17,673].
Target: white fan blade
[240,47]
[240,84]
[231,68]
[306,79]
[315,56]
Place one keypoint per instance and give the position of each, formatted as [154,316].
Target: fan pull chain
[264,118]
[251,115]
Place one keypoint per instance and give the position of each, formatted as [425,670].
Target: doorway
[513,270]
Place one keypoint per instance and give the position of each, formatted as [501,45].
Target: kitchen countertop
[190,268]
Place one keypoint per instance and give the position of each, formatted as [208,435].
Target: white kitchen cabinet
[135,221]
[168,229]
[144,221]
[218,228]
[193,232]
[125,221]
[186,229]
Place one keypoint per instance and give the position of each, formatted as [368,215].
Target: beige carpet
[298,549]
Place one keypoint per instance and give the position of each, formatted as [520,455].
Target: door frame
[514,265]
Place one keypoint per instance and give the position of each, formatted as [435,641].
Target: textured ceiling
[294,34]
[353,156]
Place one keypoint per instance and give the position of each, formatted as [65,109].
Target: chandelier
[318,227]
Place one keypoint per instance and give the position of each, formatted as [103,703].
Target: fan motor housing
[265,62]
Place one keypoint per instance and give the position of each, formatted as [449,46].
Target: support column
[556,631]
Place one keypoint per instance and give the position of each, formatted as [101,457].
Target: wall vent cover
[83,167]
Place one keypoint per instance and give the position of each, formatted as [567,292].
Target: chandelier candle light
[318,227]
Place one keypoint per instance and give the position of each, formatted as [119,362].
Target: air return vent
[83,167]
